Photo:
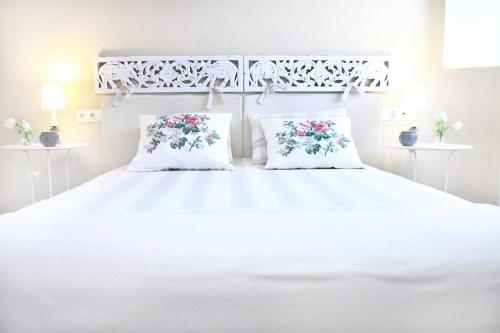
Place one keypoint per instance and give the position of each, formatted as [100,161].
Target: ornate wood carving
[317,73]
[168,74]
[225,74]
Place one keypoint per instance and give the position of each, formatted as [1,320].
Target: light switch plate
[88,115]
[397,114]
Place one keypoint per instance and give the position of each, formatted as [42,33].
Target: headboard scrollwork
[217,74]
[317,73]
[168,74]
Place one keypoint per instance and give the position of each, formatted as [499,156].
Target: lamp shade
[52,97]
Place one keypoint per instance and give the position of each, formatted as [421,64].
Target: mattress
[251,250]
[249,188]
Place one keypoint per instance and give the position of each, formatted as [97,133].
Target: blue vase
[49,139]
[408,138]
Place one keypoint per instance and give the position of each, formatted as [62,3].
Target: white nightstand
[68,147]
[445,147]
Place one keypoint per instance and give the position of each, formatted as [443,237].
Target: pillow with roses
[310,143]
[183,141]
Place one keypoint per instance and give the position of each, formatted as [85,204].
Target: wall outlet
[398,114]
[33,177]
[88,115]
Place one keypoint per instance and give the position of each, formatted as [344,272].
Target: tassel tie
[348,89]
[214,90]
[271,89]
[124,90]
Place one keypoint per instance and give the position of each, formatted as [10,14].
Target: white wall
[35,34]
[472,96]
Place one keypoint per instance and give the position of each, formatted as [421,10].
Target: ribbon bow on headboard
[211,93]
[124,90]
[271,88]
[349,88]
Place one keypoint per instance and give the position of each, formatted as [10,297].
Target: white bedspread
[248,188]
[251,251]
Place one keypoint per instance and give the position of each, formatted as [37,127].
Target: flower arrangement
[315,136]
[23,128]
[181,131]
[442,126]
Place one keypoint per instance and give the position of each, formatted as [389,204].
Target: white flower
[457,125]
[25,125]
[442,116]
[10,123]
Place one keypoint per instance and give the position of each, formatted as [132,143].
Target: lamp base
[54,128]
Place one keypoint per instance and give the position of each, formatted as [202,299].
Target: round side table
[67,147]
[444,147]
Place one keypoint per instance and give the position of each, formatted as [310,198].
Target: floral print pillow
[183,141]
[310,143]
[181,131]
[314,136]
[259,144]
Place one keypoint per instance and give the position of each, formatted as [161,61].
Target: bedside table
[444,147]
[67,147]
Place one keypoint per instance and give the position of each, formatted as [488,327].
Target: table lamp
[53,100]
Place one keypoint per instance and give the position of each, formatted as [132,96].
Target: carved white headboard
[228,76]
[317,73]
[168,74]
[227,73]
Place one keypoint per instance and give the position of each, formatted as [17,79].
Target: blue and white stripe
[249,187]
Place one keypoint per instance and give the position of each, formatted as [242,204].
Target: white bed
[249,250]
[249,188]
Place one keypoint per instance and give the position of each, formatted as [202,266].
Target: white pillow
[183,141]
[259,146]
[310,143]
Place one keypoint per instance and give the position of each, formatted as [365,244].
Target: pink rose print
[299,133]
[319,127]
[315,136]
[181,131]
[192,121]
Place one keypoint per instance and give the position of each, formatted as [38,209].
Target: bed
[249,250]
